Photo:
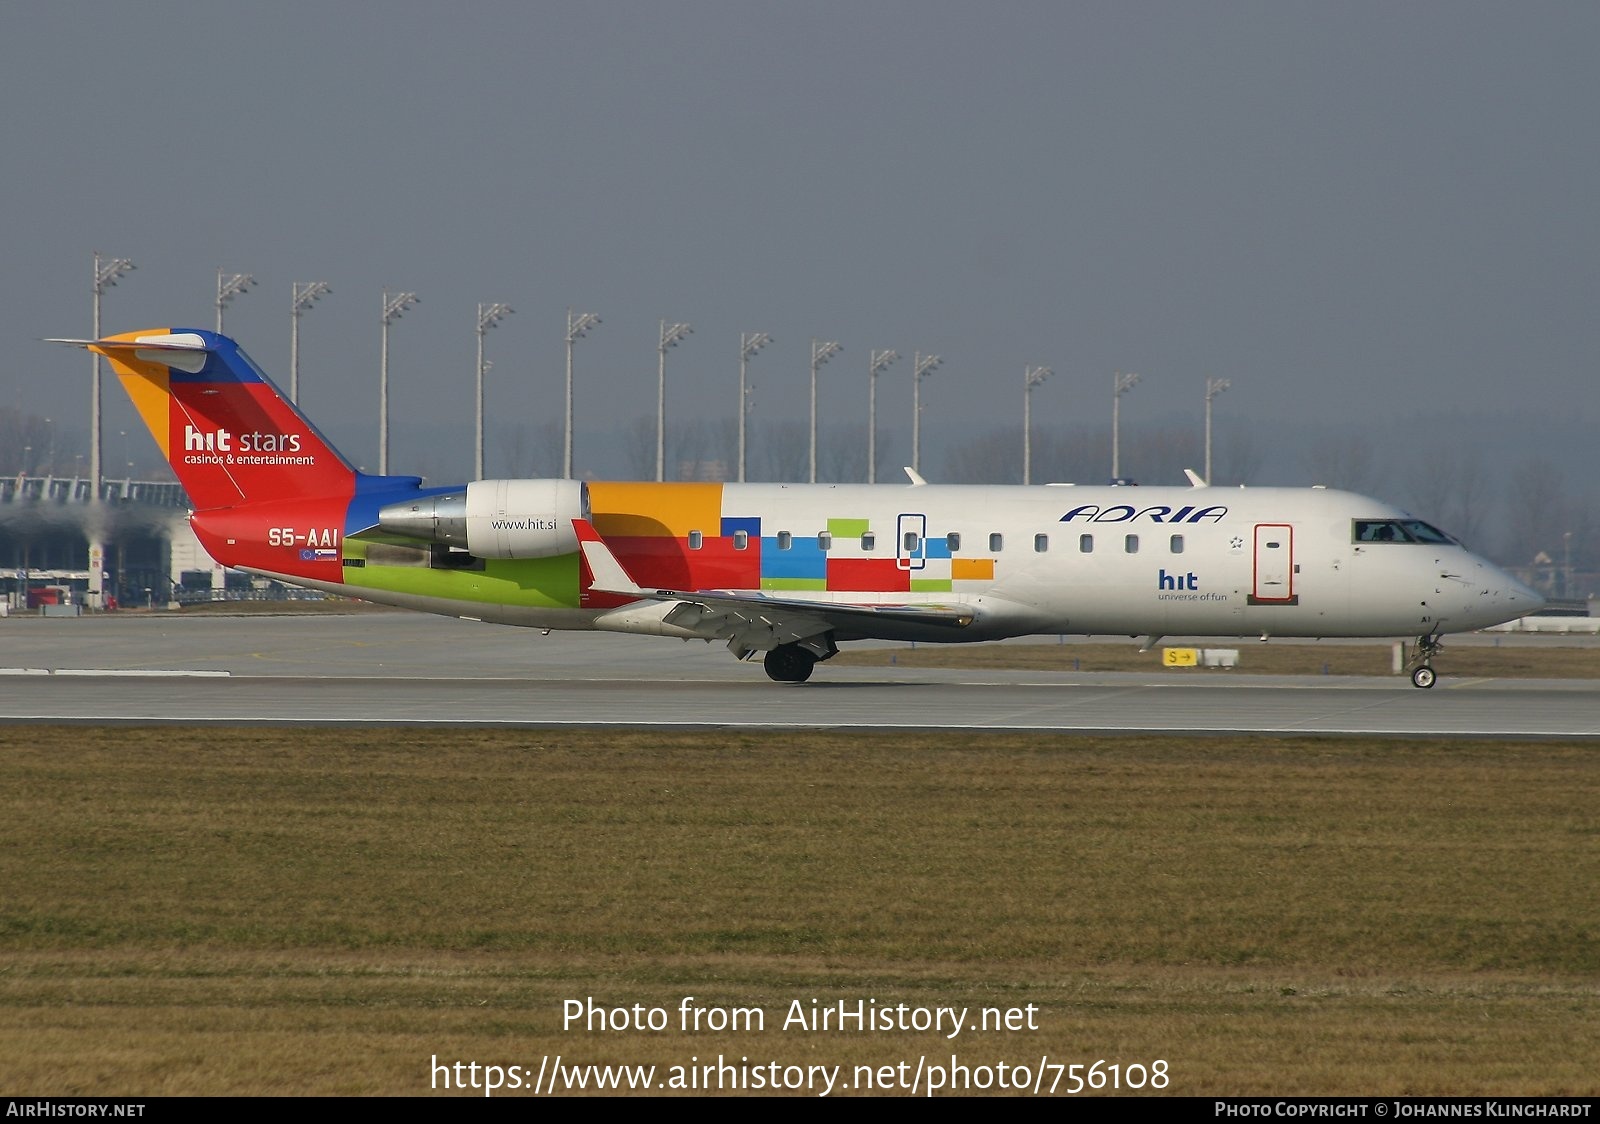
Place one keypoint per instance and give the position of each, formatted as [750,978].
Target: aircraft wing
[751,620]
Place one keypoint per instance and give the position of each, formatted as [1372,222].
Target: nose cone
[1507,597]
[1531,600]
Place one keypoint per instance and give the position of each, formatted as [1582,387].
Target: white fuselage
[1132,561]
[1056,559]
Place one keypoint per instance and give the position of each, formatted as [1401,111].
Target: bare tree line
[1530,510]
[1514,514]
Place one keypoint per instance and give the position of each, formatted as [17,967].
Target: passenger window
[996,542]
[1177,544]
[953,541]
[1131,544]
[741,539]
[869,541]
[785,540]
[1085,544]
[1041,543]
[911,540]
[696,539]
[824,540]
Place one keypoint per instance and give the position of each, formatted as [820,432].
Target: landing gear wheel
[789,663]
[1421,663]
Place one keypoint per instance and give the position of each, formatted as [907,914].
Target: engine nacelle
[496,518]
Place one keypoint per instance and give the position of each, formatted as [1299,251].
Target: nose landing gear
[1421,661]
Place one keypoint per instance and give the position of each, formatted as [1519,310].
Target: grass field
[246,911]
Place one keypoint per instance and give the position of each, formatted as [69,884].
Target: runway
[407,669]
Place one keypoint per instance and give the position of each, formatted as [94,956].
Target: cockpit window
[1425,532]
[1399,530]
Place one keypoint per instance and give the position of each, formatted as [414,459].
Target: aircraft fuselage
[1044,559]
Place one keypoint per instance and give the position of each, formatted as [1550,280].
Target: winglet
[916,477]
[609,576]
[1195,478]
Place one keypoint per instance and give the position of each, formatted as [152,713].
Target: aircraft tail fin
[231,436]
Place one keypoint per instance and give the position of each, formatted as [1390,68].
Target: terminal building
[151,557]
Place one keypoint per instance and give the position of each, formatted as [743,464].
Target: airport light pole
[1122,382]
[671,334]
[578,325]
[488,316]
[306,294]
[1031,377]
[921,366]
[876,364]
[228,287]
[106,272]
[821,352]
[1214,387]
[393,308]
[749,344]
[1566,564]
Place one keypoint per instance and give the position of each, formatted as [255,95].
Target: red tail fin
[229,434]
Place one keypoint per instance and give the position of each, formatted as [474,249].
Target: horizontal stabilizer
[164,341]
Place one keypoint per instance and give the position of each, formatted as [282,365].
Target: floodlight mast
[393,308]
[1031,377]
[671,334]
[578,325]
[228,287]
[875,366]
[488,316]
[821,352]
[1122,382]
[1214,387]
[106,273]
[749,344]
[922,366]
[306,294]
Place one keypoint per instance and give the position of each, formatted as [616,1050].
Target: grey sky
[1350,210]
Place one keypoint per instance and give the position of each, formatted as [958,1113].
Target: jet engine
[495,518]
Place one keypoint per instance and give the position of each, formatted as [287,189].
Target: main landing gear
[792,663]
[789,663]
[1421,662]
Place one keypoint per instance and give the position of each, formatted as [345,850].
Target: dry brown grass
[273,911]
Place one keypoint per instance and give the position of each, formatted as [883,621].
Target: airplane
[792,571]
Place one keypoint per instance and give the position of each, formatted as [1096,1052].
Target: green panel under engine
[435,572]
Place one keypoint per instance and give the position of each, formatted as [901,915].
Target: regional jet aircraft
[792,571]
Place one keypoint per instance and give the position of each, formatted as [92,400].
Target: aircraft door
[911,542]
[1273,583]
